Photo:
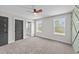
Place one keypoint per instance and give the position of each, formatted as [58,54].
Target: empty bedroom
[39,29]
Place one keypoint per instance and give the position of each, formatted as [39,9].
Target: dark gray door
[18,29]
[3,30]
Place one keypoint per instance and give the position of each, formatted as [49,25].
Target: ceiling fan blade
[38,11]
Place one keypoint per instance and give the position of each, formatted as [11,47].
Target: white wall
[11,25]
[48,28]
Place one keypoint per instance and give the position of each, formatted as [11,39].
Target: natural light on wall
[59,26]
[39,26]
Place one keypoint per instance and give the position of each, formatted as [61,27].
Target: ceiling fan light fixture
[35,13]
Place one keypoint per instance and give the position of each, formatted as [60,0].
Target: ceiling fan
[33,10]
[37,11]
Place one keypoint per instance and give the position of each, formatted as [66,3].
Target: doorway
[28,28]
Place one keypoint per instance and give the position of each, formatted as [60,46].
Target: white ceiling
[26,10]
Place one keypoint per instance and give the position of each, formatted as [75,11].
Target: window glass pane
[59,26]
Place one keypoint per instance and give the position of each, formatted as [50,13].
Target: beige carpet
[36,46]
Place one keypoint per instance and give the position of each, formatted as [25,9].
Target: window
[59,26]
[39,26]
